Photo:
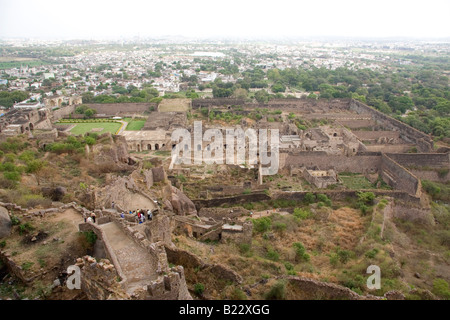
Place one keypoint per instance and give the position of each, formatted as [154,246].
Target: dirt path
[134,260]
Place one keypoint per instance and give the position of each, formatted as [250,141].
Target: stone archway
[149,147]
[31,126]
[138,148]
[156,146]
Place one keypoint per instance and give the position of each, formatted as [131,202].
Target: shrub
[277,292]
[371,253]
[444,237]
[366,197]
[238,294]
[262,224]
[3,244]
[25,228]
[300,251]
[244,248]
[90,140]
[431,188]
[27,265]
[440,288]
[34,166]
[301,213]
[199,288]
[309,198]
[12,175]
[288,266]
[324,199]
[87,239]
[272,255]
[14,220]
[279,226]
[344,255]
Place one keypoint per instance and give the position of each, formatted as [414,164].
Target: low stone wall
[99,280]
[14,269]
[240,199]
[86,227]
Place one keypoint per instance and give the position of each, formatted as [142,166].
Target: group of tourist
[141,215]
[89,218]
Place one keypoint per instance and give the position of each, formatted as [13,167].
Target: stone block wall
[399,177]
[361,163]
[423,141]
[121,109]
[430,160]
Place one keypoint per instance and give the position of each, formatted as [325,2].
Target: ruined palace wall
[399,177]
[118,109]
[199,103]
[63,112]
[361,163]
[430,160]
[294,104]
[422,140]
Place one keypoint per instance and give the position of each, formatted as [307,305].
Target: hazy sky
[243,18]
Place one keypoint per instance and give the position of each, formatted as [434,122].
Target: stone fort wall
[399,177]
[362,163]
[430,160]
[422,140]
[120,109]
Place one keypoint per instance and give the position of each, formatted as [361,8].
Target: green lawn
[134,125]
[82,128]
[355,182]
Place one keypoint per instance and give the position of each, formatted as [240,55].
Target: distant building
[28,105]
[5,82]
[49,75]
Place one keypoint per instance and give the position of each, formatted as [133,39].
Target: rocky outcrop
[125,193]
[181,204]
[5,223]
[113,152]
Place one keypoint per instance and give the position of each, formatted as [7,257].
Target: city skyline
[49,19]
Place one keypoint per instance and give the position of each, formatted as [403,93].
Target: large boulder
[5,223]
[181,204]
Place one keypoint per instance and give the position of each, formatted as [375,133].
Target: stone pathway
[134,260]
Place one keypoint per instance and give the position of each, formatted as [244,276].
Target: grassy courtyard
[82,128]
[135,124]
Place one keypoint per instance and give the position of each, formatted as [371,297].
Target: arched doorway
[156,146]
[31,126]
[138,148]
[149,147]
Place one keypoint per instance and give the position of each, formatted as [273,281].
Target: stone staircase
[135,261]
